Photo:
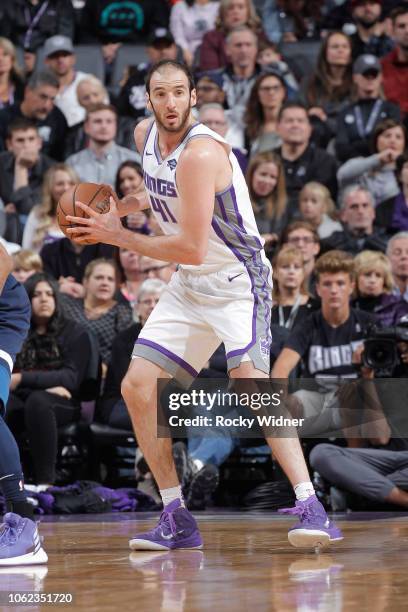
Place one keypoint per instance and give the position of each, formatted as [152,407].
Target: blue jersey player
[19,539]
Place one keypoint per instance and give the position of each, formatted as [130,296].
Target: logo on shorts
[265,347]
[172,163]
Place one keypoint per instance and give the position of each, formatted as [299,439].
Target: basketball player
[19,539]
[220,293]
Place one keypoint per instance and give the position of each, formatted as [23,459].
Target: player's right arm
[6,266]
[135,202]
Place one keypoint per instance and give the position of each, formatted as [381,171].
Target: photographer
[330,345]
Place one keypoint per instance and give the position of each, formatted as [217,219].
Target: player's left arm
[6,266]
[197,173]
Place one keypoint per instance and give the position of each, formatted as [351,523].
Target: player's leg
[174,343]
[19,539]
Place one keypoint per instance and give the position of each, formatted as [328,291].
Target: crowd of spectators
[323,146]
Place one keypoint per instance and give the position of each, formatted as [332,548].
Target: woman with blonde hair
[11,80]
[291,299]
[374,285]
[42,226]
[265,178]
[317,207]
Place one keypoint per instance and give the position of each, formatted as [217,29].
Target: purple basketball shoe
[19,542]
[314,527]
[176,528]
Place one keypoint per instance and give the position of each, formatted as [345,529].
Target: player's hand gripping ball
[95,196]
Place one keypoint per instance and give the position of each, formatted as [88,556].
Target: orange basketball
[94,195]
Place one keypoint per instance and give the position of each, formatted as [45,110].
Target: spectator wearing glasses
[303,236]
[357,214]
[357,122]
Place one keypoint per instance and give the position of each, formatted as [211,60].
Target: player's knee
[319,455]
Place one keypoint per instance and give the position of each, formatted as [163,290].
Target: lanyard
[363,132]
[292,315]
[31,23]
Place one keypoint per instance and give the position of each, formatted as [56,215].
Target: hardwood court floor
[247,564]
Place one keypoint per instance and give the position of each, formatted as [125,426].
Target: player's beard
[179,128]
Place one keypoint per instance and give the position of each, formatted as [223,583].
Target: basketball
[94,195]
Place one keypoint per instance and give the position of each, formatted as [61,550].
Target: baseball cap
[160,35]
[366,63]
[58,43]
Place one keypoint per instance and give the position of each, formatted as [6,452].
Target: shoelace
[302,511]
[167,519]
[6,532]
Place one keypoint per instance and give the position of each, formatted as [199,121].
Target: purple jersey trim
[186,366]
[147,138]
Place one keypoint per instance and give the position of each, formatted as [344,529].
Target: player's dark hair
[288,105]
[172,64]
[334,262]
[397,12]
[20,124]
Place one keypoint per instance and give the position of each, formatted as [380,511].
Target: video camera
[381,350]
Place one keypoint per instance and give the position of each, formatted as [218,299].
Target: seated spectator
[21,173]
[60,58]
[271,60]
[303,236]
[377,172]
[292,20]
[155,268]
[113,409]
[131,100]
[357,122]
[303,161]
[189,21]
[45,384]
[395,64]
[328,344]
[291,299]
[66,262]
[91,91]
[98,311]
[28,25]
[378,475]
[327,91]
[38,107]
[370,36]
[25,264]
[357,214]
[11,79]
[209,89]
[397,253]
[373,289]
[240,74]
[261,116]
[131,278]
[129,179]
[266,184]
[392,214]
[112,22]
[216,118]
[99,162]
[232,13]
[317,207]
[42,225]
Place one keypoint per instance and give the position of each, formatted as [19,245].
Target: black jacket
[52,129]
[131,21]
[314,165]
[348,141]
[384,213]
[58,18]
[345,241]
[60,258]
[25,197]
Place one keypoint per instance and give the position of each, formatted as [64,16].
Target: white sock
[169,495]
[304,490]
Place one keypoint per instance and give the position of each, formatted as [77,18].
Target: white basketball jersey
[234,234]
